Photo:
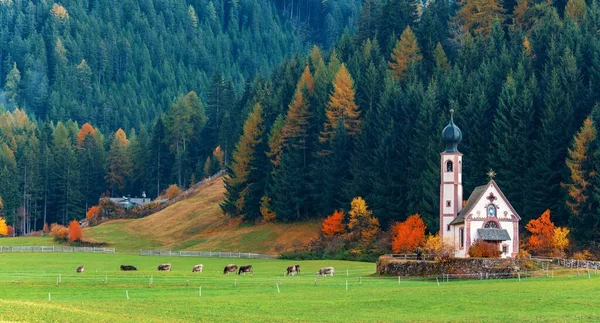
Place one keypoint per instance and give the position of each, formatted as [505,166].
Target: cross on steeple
[491,174]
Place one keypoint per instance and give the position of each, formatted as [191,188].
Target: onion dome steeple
[451,135]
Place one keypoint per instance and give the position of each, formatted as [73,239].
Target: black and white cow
[245,269]
[164,267]
[197,269]
[293,270]
[326,271]
[231,268]
[127,268]
[80,269]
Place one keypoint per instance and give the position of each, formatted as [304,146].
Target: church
[486,215]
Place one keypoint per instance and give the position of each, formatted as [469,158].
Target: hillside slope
[197,223]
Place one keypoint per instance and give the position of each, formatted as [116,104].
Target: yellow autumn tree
[3,227]
[478,16]
[341,107]
[220,157]
[560,241]
[406,52]
[582,170]
[362,225]
[576,10]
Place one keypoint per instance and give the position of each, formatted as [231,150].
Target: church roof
[451,135]
[475,196]
[489,234]
[471,202]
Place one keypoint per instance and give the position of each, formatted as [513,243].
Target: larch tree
[341,107]
[582,162]
[576,10]
[406,53]
[478,16]
[118,162]
[86,129]
[245,153]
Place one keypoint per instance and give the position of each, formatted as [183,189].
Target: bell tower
[451,190]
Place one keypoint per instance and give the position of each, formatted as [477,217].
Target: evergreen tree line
[53,172]
[364,119]
[119,64]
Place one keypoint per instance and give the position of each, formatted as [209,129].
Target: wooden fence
[219,254]
[55,249]
[412,256]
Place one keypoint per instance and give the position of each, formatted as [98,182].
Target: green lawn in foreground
[26,280]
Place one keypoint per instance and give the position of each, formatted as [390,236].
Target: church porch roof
[489,234]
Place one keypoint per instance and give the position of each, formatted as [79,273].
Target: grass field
[100,294]
[197,223]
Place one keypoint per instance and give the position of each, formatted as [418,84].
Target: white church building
[486,215]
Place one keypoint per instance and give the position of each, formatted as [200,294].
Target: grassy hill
[197,223]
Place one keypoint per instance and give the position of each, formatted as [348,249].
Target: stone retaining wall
[387,265]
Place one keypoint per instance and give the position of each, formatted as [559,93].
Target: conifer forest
[305,105]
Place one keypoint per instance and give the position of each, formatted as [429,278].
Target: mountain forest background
[305,104]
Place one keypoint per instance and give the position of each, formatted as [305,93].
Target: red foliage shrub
[482,249]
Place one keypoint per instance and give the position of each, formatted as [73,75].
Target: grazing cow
[293,270]
[164,267]
[231,268]
[197,269]
[245,269]
[127,268]
[80,269]
[326,271]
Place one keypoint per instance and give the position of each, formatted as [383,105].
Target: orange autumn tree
[75,233]
[542,233]
[409,235]
[92,213]
[85,130]
[333,224]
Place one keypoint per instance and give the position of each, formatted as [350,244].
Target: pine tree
[12,87]
[406,53]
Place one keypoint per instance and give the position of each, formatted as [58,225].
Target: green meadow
[36,287]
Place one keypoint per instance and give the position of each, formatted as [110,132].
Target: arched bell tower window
[449,166]
[491,211]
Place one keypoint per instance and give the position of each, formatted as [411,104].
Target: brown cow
[326,271]
[245,269]
[231,268]
[164,267]
[127,268]
[80,269]
[197,269]
[293,270]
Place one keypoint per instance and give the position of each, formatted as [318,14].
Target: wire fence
[217,254]
[568,263]
[113,285]
[56,249]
